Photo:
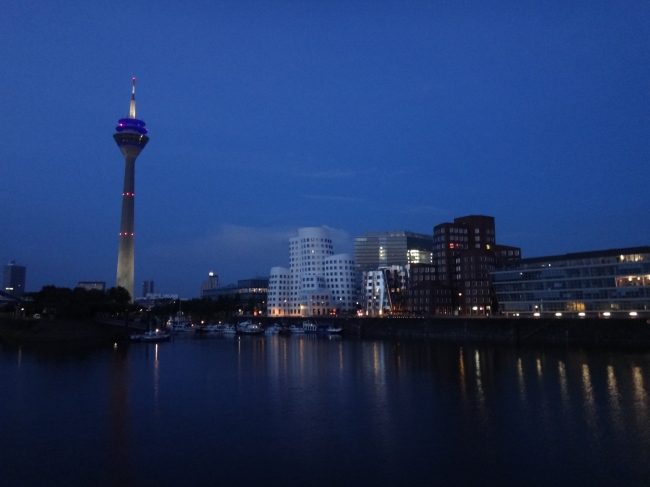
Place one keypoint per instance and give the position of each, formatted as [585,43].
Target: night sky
[362,116]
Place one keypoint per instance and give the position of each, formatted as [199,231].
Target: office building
[465,252]
[211,283]
[147,288]
[385,291]
[250,292]
[602,283]
[426,294]
[317,282]
[13,279]
[131,138]
[373,250]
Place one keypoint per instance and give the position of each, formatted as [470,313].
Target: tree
[118,295]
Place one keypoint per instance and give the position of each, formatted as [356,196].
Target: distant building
[317,282]
[13,279]
[147,288]
[465,252]
[211,283]
[249,291]
[89,285]
[603,282]
[153,299]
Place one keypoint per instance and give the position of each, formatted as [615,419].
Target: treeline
[63,302]
[209,309]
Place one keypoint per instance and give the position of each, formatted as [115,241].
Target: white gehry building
[317,282]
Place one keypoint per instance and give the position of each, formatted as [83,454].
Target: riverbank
[56,331]
[585,331]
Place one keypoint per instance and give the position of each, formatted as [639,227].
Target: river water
[315,410]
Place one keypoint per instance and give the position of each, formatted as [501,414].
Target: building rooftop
[594,254]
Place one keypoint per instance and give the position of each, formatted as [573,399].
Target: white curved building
[317,281]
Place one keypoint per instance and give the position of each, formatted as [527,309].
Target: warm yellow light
[581,314]
[633,313]
[606,313]
[558,314]
[536,314]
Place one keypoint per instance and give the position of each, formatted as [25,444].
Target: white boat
[310,327]
[274,329]
[214,328]
[333,330]
[155,336]
[249,328]
[293,329]
[229,330]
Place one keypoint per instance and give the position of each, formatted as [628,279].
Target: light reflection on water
[393,412]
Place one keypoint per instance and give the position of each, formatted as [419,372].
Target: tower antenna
[132,108]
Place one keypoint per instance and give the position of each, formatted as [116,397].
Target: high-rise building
[465,252]
[383,250]
[317,282]
[13,279]
[147,288]
[211,283]
[373,250]
[131,137]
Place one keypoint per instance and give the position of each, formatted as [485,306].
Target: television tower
[131,137]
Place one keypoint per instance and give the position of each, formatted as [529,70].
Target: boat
[293,329]
[218,328]
[274,329]
[177,325]
[333,330]
[310,327]
[155,336]
[249,328]
[229,330]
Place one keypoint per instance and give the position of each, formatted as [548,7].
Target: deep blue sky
[362,116]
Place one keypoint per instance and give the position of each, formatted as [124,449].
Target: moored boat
[229,329]
[293,329]
[249,328]
[155,336]
[310,327]
[274,329]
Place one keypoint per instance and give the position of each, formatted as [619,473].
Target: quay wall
[507,330]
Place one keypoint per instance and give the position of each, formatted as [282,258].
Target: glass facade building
[13,279]
[384,249]
[606,283]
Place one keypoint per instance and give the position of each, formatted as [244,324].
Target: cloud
[238,252]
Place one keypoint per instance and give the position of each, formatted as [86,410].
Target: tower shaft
[126,253]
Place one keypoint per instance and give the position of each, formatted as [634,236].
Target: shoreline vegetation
[20,331]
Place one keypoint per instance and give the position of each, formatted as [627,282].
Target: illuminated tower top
[132,107]
[131,136]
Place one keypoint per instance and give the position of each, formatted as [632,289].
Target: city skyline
[360,117]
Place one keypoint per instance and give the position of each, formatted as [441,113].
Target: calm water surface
[323,411]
